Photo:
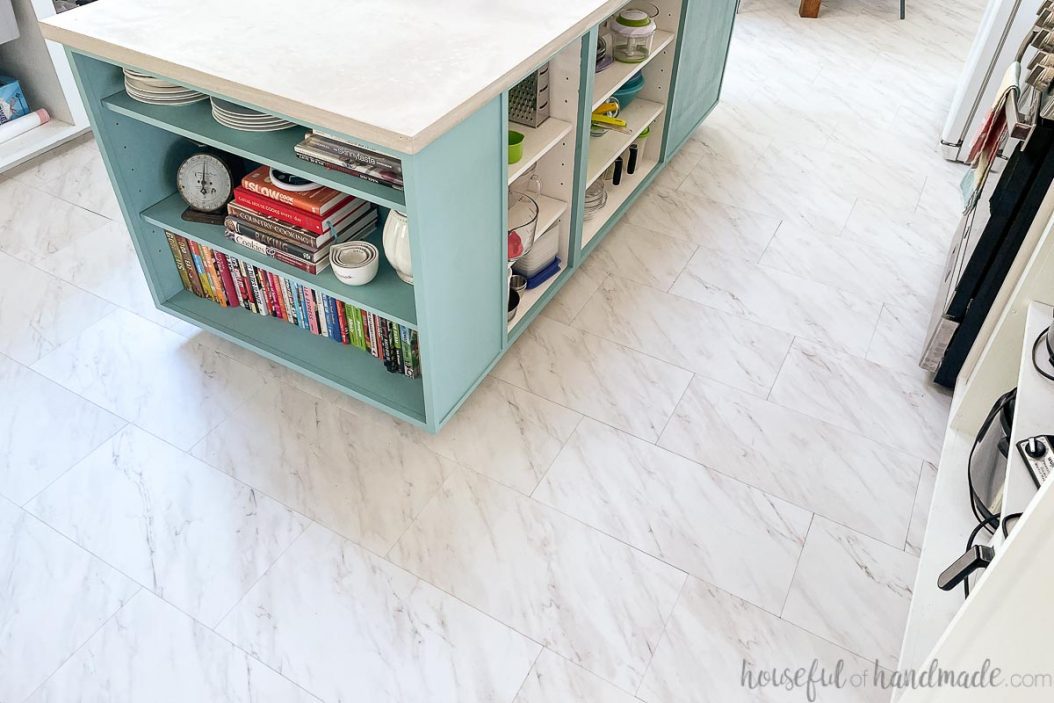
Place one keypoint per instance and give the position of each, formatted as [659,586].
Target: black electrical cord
[969,545]
[1005,524]
[1035,364]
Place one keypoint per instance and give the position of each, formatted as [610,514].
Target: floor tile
[841,174]
[605,381]
[361,477]
[584,595]
[691,336]
[790,303]
[172,388]
[639,254]
[805,201]
[896,409]
[700,220]
[712,634]
[38,446]
[916,233]
[900,338]
[34,224]
[38,312]
[813,464]
[53,597]
[853,591]
[921,512]
[506,433]
[187,532]
[104,263]
[51,165]
[712,526]
[573,296]
[152,652]
[554,679]
[349,626]
[873,273]
[85,183]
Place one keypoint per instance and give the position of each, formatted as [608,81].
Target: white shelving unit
[537,141]
[616,196]
[44,73]
[604,150]
[615,76]
[1033,414]
[942,626]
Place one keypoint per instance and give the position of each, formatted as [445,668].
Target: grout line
[779,371]
[84,643]
[126,424]
[794,574]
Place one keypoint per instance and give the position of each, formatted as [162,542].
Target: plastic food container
[543,253]
[633,32]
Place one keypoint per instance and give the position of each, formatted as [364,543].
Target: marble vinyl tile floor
[714,445]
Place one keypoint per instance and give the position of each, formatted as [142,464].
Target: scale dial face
[205,182]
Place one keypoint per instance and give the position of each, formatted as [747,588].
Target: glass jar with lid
[632,31]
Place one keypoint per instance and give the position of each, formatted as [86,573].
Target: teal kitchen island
[427,84]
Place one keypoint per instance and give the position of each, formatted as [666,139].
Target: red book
[279,292]
[342,319]
[320,201]
[227,279]
[319,224]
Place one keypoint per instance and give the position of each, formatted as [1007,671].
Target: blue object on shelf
[629,89]
[12,100]
[544,275]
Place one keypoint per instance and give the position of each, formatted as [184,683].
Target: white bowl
[354,263]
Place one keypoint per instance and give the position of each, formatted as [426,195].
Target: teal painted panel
[385,295]
[272,148]
[141,162]
[454,200]
[345,368]
[699,66]
[585,109]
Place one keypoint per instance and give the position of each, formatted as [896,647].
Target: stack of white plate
[155,91]
[240,117]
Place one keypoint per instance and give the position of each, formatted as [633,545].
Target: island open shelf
[350,370]
[387,295]
[195,122]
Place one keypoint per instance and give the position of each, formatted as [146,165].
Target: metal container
[529,99]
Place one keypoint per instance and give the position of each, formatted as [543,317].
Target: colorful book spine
[199,266]
[181,267]
[345,336]
[226,279]
[247,290]
[188,264]
[366,173]
[234,282]
[286,213]
[275,254]
[354,152]
[237,226]
[277,228]
[212,268]
[320,201]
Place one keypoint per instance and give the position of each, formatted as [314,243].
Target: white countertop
[395,72]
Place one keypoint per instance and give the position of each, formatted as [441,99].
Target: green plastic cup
[515,146]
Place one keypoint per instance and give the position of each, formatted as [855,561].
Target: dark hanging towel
[1014,203]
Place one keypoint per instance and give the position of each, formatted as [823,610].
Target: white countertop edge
[311,116]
